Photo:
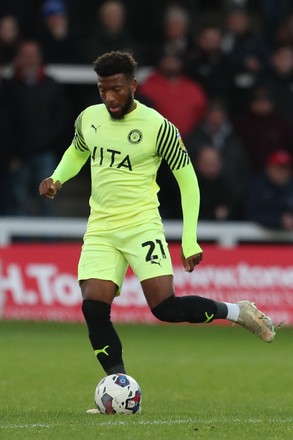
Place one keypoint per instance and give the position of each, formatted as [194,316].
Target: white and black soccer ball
[118,394]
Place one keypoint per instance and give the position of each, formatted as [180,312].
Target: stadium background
[37,285]
[144,17]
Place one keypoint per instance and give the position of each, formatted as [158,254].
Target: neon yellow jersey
[125,156]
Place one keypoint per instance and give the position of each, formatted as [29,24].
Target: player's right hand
[49,189]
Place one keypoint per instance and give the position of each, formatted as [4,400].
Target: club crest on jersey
[135,136]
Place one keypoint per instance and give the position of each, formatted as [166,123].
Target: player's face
[117,93]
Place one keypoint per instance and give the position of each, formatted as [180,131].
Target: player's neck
[133,106]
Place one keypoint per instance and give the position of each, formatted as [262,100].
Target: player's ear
[133,85]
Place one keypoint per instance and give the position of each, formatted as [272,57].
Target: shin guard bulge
[104,339]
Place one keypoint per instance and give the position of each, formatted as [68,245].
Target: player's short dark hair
[115,62]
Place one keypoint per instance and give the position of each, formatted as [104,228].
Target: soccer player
[125,142]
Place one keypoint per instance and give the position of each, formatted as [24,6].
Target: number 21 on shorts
[155,250]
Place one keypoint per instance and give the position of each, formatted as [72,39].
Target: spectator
[283,30]
[9,39]
[247,55]
[173,93]
[270,199]
[216,130]
[215,200]
[279,80]
[7,144]
[39,120]
[207,63]
[275,18]
[18,9]
[58,43]
[110,32]
[175,33]
[262,129]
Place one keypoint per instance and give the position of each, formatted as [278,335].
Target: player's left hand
[48,188]
[192,261]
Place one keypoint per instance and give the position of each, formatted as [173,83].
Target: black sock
[104,339]
[194,309]
[222,310]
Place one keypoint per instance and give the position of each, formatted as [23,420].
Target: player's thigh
[147,252]
[100,260]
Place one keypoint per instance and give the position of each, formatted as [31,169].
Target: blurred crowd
[221,71]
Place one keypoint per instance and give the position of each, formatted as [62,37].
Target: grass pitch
[198,382]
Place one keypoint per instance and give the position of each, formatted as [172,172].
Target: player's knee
[96,313]
[166,310]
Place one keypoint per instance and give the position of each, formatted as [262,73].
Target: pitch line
[134,420]
[111,422]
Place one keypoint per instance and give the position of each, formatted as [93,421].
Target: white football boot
[93,411]
[256,321]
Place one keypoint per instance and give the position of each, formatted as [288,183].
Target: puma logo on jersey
[111,158]
[95,128]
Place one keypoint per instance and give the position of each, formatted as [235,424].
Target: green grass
[204,382]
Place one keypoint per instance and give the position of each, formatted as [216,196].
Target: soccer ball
[118,394]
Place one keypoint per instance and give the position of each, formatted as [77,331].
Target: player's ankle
[227,310]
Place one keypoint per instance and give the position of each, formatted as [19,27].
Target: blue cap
[53,7]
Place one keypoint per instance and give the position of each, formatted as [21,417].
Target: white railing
[84,74]
[226,234]
[78,73]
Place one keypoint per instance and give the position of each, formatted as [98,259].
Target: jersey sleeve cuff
[191,249]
